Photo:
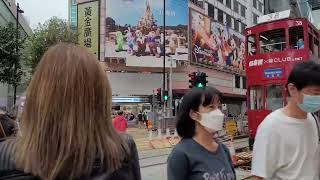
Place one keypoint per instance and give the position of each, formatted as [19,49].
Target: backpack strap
[317,123]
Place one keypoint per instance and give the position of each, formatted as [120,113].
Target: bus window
[256,98]
[274,97]
[311,43]
[272,41]
[252,45]
[316,47]
[296,39]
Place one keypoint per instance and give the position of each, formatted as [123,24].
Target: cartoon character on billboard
[119,41]
[152,43]
[241,56]
[130,41]
[172,43]
[141,43]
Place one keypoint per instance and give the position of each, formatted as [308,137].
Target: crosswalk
[141,137]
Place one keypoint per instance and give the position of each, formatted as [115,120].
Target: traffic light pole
[170,89]
[164,55]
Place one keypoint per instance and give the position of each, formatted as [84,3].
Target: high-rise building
[72,15]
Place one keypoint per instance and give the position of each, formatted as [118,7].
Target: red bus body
[268,68]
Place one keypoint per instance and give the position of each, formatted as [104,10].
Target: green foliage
[46,35]
[9,59]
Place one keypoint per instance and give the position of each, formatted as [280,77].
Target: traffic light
[192,78]
[165,96]
[198,79]
[159,94]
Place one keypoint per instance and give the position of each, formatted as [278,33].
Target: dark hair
[120,113]
[192,101]
[305,74]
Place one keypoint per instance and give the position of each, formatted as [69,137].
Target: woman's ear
[196,116]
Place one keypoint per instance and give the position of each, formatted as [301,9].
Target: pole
[170,89]
[16,63]
[164,66]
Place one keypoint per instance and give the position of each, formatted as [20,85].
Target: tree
[10,66]
[46,35]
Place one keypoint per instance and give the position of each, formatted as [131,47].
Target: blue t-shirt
[191,161]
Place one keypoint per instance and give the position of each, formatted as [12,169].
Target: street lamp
[17,51]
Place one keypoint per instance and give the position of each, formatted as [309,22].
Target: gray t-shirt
[191,161]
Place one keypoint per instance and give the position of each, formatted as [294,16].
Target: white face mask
[212,121]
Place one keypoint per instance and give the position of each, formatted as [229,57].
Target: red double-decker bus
[272,50]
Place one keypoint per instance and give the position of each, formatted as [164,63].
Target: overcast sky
[39,11]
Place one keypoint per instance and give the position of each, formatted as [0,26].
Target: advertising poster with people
[134,31]
[215,44]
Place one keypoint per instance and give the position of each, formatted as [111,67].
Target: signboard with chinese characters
[88,26]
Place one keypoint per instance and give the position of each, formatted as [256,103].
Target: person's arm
[266,152]
[177,168]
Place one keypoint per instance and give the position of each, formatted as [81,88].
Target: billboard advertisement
[215,44]
[135,31]
[88,26]
[73,14]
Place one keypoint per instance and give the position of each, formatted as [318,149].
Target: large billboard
[135,31]
[215,44]
[88,26]
[73,14]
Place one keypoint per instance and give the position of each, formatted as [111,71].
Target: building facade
[8,11]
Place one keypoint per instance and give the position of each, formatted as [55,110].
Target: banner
[215,44]
[73,14]
[135,31]
[88,26]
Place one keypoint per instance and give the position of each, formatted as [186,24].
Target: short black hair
[120,113]
[305,74]
[192,100]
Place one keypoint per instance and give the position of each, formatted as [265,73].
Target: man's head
[303,86]
[120,113]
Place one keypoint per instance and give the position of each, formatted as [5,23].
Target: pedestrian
[120,123]
[145,119]
[198,155]
[287,141]
[66,128]
[140,120]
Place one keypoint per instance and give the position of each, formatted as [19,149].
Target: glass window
[211,10]
[236,25]
[229,22]
[237,81]
[236,6]
[255,4]
[244,82]
[311,43]
[256,98]
[220,16]
[316,47]
[243,27]
[252,45]
[274,97]
[296,39]
[260,7]
[272,41]
[228,3]
[255,18]
[243,11]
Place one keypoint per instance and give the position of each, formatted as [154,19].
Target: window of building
[274,99]
[244,82]
[236,6]
[296,40]
[255,18]
[255,4]
[211,11]
[243,11]
[272,41]
[220,16]
[260,7]
[228,3]
[243,28]
[236,25]
[252,45]
[228,19]
[256,98]
[237,81]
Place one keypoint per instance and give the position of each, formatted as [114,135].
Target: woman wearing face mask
[198,156]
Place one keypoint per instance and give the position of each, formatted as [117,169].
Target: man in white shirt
[287,142]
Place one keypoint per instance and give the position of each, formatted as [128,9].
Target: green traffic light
[200,85]
[166,98]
